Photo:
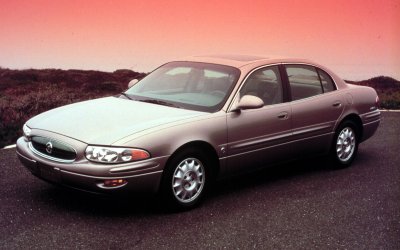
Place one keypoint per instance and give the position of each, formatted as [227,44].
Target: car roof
[246,63]
[240,61]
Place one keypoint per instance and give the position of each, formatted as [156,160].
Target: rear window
[326,80]
[307,81]
[304,81]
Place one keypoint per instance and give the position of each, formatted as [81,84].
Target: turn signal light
[114,183]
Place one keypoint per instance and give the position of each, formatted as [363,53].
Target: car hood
[107,120]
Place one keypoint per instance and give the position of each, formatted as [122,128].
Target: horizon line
[142,72]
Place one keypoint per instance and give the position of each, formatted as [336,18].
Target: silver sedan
[194,120]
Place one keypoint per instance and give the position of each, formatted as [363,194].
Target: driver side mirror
[249,102]
[132,82]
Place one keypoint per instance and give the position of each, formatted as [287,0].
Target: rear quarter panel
[361,100]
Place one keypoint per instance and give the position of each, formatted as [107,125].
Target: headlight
[115,155]
[27,131]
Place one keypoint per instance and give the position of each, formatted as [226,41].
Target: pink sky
[356,39]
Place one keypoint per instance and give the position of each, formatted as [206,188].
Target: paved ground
[292,206]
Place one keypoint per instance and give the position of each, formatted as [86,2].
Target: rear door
[259,136]
[316,107]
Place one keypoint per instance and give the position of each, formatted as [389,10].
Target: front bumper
[140,177]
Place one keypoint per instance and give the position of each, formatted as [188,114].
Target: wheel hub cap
[188,180]
[345,144]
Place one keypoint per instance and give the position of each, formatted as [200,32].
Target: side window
[326,80]
[304,81]
[266,84]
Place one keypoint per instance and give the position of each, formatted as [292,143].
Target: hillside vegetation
[388,90]
[26,93]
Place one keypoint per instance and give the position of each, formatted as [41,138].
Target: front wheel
[345,144]
[185,178]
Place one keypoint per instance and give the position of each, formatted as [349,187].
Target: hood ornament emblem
[49,147]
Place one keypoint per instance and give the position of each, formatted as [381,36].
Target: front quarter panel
[165,140]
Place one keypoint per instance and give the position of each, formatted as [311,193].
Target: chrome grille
[52,149]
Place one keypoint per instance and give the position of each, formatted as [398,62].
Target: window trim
[284,65]
[285,97]
[329,76]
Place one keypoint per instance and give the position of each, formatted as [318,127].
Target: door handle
[337,104]
[283,115]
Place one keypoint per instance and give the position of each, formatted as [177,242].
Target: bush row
[26,93]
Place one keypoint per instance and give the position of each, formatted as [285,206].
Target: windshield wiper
[126,95]
[160,102]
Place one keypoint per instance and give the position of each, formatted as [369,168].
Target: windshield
[189,85]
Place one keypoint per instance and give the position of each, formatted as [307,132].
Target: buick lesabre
[194,120]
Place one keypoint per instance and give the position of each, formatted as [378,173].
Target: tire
[185,179]
[345,144]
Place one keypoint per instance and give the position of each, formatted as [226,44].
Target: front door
[259,136]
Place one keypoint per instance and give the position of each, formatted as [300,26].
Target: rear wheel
[185,178]
[345,144]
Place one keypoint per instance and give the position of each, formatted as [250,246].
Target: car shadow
[99,205]
[268,175]
[147,205]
